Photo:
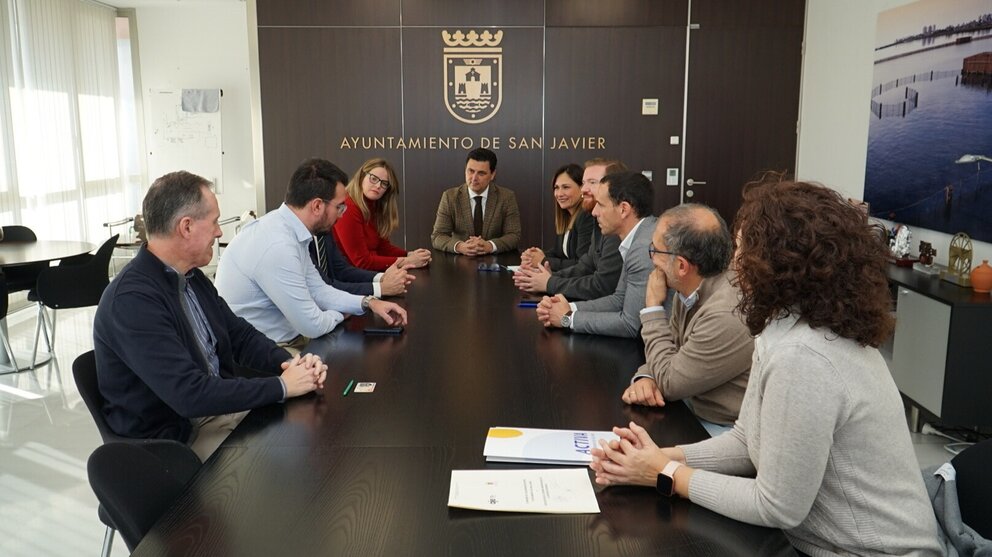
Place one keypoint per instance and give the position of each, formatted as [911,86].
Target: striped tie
[321,256]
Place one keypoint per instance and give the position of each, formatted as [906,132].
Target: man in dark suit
[172,359]
[623,209]
[339,273]
[477,217]
[597,272]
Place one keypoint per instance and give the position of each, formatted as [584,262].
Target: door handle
[690,182]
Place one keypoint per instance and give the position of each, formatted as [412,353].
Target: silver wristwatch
[566,321]
[367,301]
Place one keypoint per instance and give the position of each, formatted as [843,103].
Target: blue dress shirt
[266,277]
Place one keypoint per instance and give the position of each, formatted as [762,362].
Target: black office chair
[84,374]
[972,467]
[4,305]
[69,286]
[21,277]
[135,484]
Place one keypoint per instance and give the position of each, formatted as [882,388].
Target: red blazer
[360,241]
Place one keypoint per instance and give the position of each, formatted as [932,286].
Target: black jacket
[151,371]
[341,274]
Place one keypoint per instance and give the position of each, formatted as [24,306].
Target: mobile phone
[383,330]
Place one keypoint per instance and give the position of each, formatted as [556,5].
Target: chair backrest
[84,373]
[974,468]
[77,286]
[136,484]
[18,233]
[4,302]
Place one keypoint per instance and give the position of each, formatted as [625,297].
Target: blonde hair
[387,216]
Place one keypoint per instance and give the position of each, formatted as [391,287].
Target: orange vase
[981,277]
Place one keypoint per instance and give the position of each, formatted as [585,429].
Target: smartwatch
[666,479]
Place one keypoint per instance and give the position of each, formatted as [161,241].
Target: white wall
[205,45]
[833,111]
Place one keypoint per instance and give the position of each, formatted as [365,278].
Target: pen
[348,388]
[527,304]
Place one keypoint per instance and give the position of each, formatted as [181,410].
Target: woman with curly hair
[370,216]
[821,448]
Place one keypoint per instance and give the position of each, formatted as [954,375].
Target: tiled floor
[46,435]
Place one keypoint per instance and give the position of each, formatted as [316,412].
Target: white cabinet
[919,351]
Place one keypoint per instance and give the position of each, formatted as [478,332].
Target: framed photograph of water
[930,137]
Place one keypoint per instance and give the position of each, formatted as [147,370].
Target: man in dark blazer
[338,272]
[477,217]
[623,209]
[596,273]
[173,361]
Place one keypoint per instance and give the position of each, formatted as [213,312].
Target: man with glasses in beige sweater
[701,353]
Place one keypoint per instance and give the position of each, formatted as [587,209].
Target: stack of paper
[542,446]
[567,491]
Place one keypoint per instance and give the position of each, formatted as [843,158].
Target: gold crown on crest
[472,38]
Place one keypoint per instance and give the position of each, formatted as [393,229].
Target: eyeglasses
[652,250]
[491,267]
[341,207]
[377,181]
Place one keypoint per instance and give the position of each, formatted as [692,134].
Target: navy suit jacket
[341,274]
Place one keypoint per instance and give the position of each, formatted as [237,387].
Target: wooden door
[743,89]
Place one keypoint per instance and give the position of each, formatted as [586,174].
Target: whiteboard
[180,140]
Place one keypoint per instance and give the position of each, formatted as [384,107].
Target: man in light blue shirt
[266,275]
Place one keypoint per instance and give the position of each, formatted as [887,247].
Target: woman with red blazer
[371,215]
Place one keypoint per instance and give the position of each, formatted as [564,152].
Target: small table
[13,254]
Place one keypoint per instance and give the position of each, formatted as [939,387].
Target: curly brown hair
[802,249]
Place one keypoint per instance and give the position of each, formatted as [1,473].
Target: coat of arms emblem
[473,74]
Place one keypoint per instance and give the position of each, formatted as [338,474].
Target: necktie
[321,256]
[477,215]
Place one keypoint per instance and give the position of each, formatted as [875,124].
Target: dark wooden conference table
[368,474]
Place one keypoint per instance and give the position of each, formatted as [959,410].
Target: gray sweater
[821,450]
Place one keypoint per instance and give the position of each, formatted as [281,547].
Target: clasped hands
[473,246]
[415,259]
[633,460]
[303,374]
[534,272]
[551,309]
[395,279]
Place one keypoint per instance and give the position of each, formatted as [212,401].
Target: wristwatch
[367,301]
[666,479]
[566,321]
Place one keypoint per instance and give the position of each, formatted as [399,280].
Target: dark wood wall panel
[594,83]
[597,13]
[429,172]
[480,13]
[328,13]
[573,69]
[767,14]
[743,97]
[318,85]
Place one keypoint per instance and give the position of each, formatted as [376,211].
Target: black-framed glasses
[653,250]
[377,181]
